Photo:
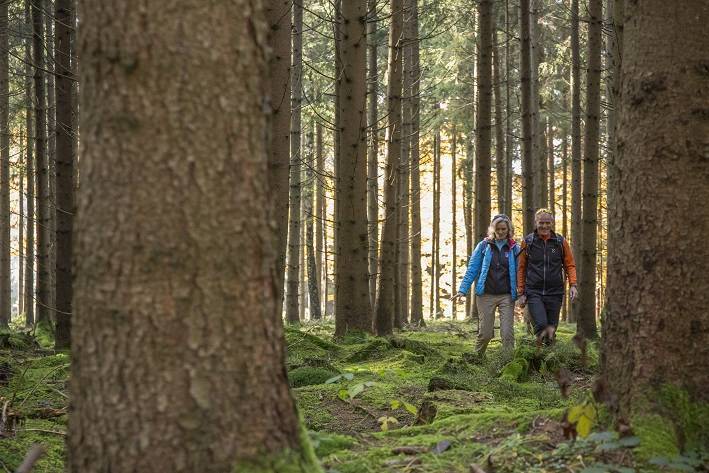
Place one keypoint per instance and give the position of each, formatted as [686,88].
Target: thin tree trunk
[320,214]
[313,282]
[51,158]
[373,149]
[550,166]
[5,269]
[538,141]
[587,296]
[354,311]
[279,19]
[43,222]
[31,178]
[564,207]
[437,226]
[468,212]
[483,138]
[151,339]
[384,316]
[509,172]
[414,72]
[24,141]
[576,220]
[294,195]
[500,165]
[65,171]
[454,230]
[302,283]
[527,149]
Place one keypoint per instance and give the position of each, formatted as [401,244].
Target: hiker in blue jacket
[493,268]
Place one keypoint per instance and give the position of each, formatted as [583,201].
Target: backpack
[529,239]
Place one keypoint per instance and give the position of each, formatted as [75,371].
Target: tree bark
[43,223]
[279,19]
[483,134]
[436,255]
[31,178]
[509,171]
[586,324]
[174,287]
[454,230]
[320,213]
[24,141]
[309,214]
[564,206]
[373,149]
[65,134]
[415,73]
[576,217]
[527,149]
[353,310]
[500,165]
[294,192]
[50,78]
[550,166]
[662,175]
[384,307]
[5,302]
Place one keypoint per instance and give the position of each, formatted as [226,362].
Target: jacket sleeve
[522,268]
[569,263]
[473,271]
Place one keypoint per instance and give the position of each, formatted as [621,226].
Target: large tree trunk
[28,294]
[576,217]
[654,338]
[294,188]
[527,149]
[43,223]
[65,134]
[373,148]
[5,303]
[587,296]
[509,171]
[353,310]
[414,72]
[483,134]
[151,339]
[384,307]
[279,39]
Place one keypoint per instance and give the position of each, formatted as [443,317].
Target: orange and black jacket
[542,264]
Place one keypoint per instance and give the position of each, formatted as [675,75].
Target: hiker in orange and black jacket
[544,259]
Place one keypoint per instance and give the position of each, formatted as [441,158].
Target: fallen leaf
[441,446]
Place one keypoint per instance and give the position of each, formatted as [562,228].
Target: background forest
[394,130]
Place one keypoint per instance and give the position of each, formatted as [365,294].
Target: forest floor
[416,402]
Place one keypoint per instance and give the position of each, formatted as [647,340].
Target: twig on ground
[31,458]
[45,431]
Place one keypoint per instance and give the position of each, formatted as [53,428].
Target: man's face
[544,224]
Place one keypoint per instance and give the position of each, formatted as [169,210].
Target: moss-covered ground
[420,401]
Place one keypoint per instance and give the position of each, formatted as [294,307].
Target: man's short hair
[541,212]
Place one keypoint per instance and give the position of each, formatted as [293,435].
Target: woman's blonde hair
[497,219]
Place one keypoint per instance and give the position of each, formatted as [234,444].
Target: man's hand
[522,301]
[458,297]
[573,292]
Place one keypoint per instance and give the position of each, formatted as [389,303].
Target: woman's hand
[458,297]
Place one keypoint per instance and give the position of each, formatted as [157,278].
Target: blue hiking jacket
[479,265]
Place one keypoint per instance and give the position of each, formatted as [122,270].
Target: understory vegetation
[416,402]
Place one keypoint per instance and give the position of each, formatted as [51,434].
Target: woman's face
[501,230]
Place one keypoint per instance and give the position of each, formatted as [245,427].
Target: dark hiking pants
[544,310]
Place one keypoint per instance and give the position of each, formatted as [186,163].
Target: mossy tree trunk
[659,336]
[174,287]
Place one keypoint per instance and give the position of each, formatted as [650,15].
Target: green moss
[307,375]
[374,349]
[657,436]
[302,345]
[326,443]
[14,449]
[515,370]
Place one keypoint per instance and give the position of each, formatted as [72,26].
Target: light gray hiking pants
[487,303]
